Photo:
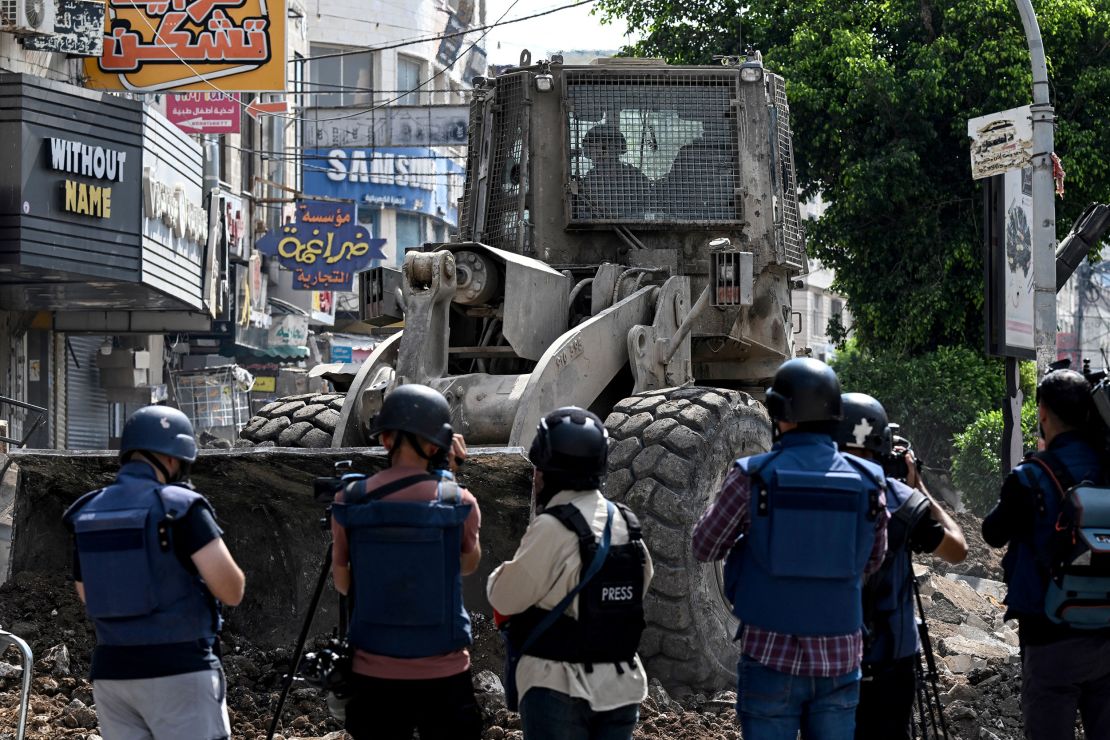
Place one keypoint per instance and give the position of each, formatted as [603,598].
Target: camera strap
[361,495]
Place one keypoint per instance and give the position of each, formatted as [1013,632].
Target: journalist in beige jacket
[572,700]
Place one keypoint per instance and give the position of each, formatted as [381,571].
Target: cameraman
[917,525]
[1063,668]
[403,539]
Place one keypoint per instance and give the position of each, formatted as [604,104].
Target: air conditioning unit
[27,16]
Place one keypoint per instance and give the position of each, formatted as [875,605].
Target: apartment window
[817,322]
[410,234]
[341,80]
[408,78]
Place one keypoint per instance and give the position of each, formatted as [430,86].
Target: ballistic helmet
[418,410]
[571,441]
[804,390]
[864,425]
[159,429]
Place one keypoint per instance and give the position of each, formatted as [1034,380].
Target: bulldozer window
[644,153]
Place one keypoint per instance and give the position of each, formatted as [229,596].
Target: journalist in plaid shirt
[825,657]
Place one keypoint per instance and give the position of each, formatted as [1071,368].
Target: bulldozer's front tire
[668,455]
[307,420]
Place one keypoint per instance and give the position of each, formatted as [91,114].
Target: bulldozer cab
[562,158]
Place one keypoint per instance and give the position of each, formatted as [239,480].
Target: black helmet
[865,424]
[804,389]
[571,441]
[161,429]
[416,409]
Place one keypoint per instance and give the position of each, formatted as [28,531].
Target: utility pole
[1044,192]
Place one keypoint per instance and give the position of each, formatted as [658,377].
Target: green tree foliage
[977,466]
[934,396]
[880,94]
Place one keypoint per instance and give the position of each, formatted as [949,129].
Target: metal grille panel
[652,147]
[508,174]
[791,234]
[473,159]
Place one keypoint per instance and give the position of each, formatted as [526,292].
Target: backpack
[1077,564]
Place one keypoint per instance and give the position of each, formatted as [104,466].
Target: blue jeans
[553,715]
[775,706]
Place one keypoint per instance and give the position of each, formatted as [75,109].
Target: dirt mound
[976,652]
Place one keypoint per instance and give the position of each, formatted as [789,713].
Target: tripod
[298,650]
[930,713]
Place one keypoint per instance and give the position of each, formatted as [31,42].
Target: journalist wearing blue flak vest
[800,526]
[570,602]
[917,525]
[403,540]
[152,569]
[1053,514]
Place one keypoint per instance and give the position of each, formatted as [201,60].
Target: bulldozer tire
[668,455]
[307,420]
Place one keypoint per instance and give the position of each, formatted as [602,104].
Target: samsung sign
[412,179]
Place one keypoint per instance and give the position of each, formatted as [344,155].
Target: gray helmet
[418,410]
[571,441]
[865,424]
[804,390]
[161,429]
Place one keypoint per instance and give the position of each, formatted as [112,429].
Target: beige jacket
[545,568]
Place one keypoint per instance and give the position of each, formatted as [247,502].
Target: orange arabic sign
[159,45]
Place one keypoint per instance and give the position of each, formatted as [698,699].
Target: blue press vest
[406,576]
[136,590]
[894,631]
[799,569]
[1026,560]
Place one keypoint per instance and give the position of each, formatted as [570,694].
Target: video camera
[328,669]
[325,489]
[895,465]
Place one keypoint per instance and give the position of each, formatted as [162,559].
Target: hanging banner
[323,246]
[205,112]
[397,125]
[164,45]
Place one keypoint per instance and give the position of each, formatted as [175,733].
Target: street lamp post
[1044,206]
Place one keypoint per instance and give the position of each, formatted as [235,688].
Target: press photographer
[892,667]
[403,540]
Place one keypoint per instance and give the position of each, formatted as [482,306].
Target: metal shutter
[86,405]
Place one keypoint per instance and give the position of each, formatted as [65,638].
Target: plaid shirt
[716,533]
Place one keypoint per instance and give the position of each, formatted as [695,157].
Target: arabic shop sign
[169,203]
[415,179]
[162,45]
[89,161]
[205,112]
[323,246]
[288,331]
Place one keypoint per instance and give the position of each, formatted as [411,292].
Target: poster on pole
[1000,142]
[198,45]
[1010,264]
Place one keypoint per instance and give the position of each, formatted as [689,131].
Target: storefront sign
[205,112]
[78,30]
[410,179]
[167,202]
[101,163]
[288,331]
[452,41]
[323,246]
[341,353]
[401,125]
[264,384]
[160,45]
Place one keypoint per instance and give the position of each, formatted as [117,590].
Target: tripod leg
[298,651]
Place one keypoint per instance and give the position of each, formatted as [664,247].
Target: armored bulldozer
[628,235]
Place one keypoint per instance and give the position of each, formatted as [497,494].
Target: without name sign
[324,247]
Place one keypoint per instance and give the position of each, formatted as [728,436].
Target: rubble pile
[977,655]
